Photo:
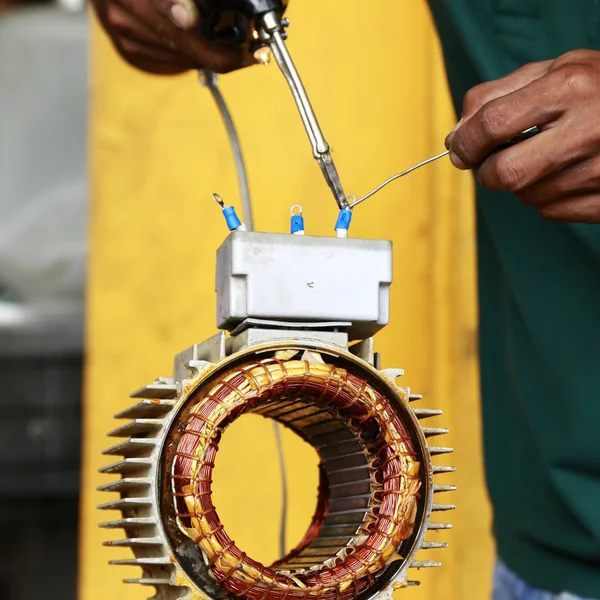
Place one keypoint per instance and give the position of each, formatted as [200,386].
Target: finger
[155,67]
[526,163]
[183,13]
[101,8]
[118,23]
[483,93]
[219,57]
[201,52]
[151,52]
[144,12]
[498,121]
[581,57]
[126,24]
[581,178]
[136,42]
[579,209]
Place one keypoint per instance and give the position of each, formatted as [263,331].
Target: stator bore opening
[370,475]
[266,513]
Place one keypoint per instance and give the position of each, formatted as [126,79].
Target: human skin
[4,6]
[557,171]
[157,36]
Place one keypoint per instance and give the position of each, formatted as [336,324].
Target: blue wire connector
[231,218]
[343,223]
[297,224]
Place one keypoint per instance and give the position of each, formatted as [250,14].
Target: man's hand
[156,36]
[557,171]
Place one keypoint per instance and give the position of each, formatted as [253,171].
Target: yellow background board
[158,151]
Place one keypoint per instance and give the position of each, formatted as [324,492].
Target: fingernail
[181,16]
[449,137]
[455,160]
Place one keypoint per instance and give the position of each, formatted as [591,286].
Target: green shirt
[539,297]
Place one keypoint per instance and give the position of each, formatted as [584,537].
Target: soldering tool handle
[520,137]
[230,21]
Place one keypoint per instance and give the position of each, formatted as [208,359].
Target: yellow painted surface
[158,150]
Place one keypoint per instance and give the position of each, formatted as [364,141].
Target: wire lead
[209,79]
[397,176]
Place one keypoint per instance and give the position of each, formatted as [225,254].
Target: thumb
[182,13]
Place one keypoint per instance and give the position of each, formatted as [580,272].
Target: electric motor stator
[376,488]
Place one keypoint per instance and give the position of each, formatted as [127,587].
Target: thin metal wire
[397,176]
[284,491]
[209,79]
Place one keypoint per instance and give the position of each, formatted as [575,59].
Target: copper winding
[341,396]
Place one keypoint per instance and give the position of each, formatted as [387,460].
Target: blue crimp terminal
[344,219]
[231,218]
[297,223]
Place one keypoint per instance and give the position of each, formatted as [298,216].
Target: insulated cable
[208,79]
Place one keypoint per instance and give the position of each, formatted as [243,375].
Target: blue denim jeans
[507,586]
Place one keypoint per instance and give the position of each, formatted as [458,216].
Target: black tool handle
[230,20]
[520,137]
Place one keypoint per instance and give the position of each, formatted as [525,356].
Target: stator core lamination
[370,475]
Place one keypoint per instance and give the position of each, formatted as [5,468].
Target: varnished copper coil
[346,419]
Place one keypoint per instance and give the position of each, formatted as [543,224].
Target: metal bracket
[365,350]
[291,325]
[211,350]
[254,336]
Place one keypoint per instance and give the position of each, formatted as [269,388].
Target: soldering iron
[257,25]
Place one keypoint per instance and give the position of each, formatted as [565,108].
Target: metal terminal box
[304,279]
